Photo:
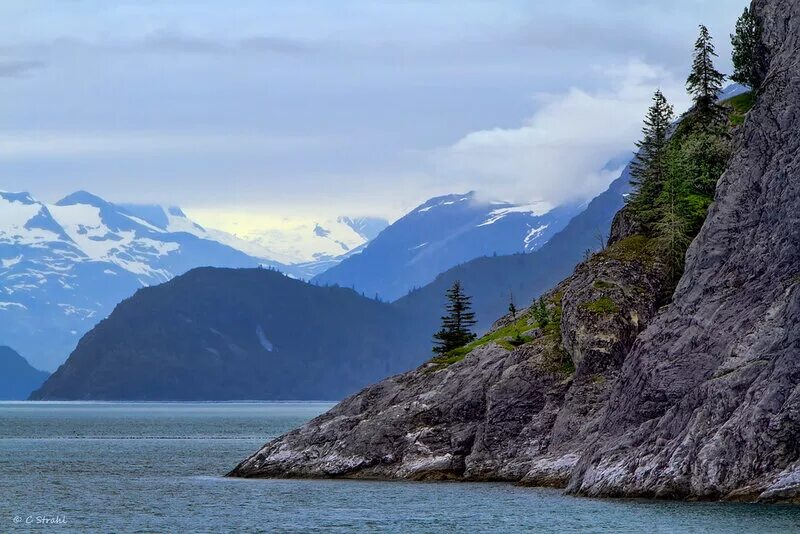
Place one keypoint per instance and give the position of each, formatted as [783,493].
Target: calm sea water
[120,467]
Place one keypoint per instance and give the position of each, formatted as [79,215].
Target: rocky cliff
[604,392]
[708,404]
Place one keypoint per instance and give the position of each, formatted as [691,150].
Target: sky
[260,111]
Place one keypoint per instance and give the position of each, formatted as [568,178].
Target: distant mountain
[239,334]
[440,234]
[302,250]
[17,378]
[307,246]
[64,266]
[491,280]
[366,227]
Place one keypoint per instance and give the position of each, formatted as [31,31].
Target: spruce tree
[648,168]
[705,81]
[456,325]
[745,50]
[512,308]
[541,313]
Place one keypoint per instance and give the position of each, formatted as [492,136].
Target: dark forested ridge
[219,334]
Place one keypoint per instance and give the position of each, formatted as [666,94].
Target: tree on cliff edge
[705,81]
[648,169]
[745,50]
[456,325]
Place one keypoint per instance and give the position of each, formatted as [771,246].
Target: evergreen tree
[456,325]
[745,50]
[541,313]
[649,166]
[705,81]
[671,228]
[512,308]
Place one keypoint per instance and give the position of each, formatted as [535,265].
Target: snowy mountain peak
[445,200]
[441,233]
[82,197]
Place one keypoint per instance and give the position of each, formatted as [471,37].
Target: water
[130,467]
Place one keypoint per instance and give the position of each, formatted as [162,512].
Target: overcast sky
[322,108]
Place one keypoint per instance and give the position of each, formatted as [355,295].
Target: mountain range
[201,331]
[64,266]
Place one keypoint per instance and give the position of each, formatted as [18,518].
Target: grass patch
[500,336]
[510,337]
[603,305]
[740,105]
[633,248]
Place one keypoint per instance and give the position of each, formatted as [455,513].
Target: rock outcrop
[607,394]
[503,412]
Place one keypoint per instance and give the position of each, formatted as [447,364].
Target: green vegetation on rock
[512,336]
[740,105]
[675,180]
[602,305]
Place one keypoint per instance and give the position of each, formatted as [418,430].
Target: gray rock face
[699,400]
[709,401]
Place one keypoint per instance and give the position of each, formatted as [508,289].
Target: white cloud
[558,154]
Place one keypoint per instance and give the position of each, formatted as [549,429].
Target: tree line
[677,165]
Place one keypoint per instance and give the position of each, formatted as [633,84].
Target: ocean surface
[158,467]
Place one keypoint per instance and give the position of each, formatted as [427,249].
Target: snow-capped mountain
[441,233]
[64,266]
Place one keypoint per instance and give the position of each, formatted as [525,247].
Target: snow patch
[6,263]
[534,210]
[534,233]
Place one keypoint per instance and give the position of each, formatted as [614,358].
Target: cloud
[18,68]
[561,153]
